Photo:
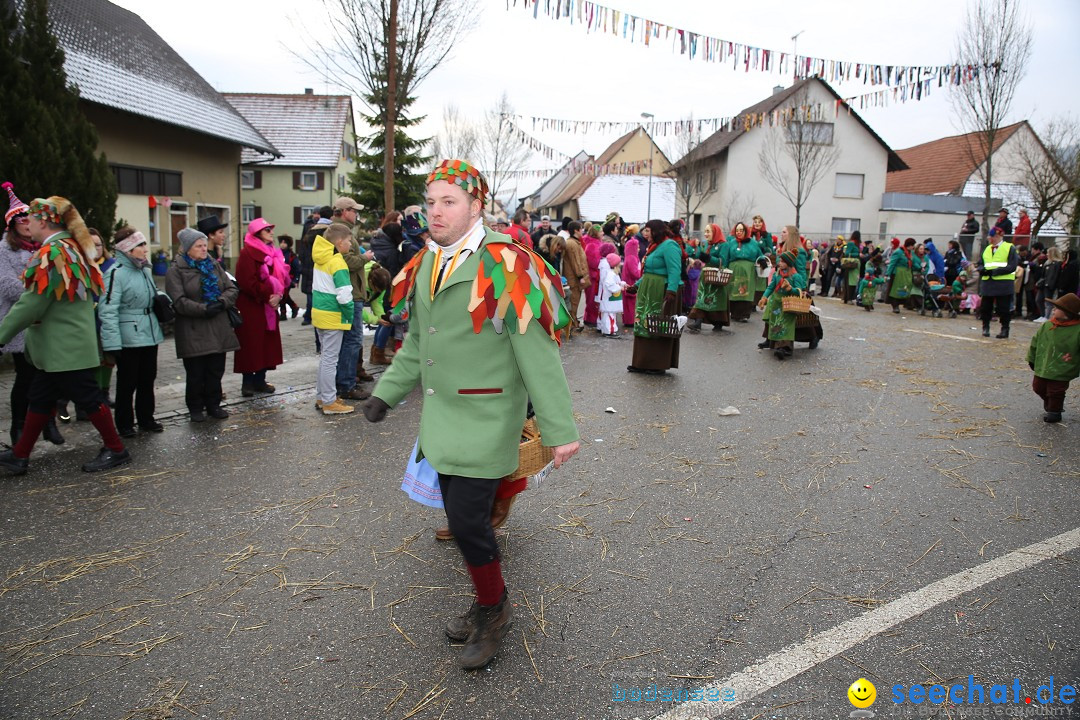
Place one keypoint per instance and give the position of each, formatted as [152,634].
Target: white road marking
[952,337]
[797,659]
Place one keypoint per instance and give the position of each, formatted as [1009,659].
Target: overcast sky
[550,68]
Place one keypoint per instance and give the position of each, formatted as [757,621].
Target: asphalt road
[269,566]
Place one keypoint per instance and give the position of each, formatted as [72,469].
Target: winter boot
[492,622]
[1004,332]
[378,356]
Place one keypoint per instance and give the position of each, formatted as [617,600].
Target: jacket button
[431,391]
[431,331]
[430,362]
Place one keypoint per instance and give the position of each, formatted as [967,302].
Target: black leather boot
[52,433]
[1004,332]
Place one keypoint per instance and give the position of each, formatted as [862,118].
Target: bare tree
[696,174]
[458,138]
[1046,164]
[995,42]
[796,156]
[737,208]
[359,37]
[500,152]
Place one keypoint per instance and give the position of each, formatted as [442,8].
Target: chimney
[778,89]
[309,91]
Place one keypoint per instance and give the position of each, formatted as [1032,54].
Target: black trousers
[468,502]
[79,386]
[20,389]
[1001,304]
[136,371]
[203,389]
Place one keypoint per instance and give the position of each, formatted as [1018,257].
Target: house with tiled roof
[316,140]
[946,178]
[578,191]
[171,139]
[723,170]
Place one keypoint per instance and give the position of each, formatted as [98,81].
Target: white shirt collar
[471,241]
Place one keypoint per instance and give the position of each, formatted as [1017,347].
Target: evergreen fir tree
[410,164]
[47,146]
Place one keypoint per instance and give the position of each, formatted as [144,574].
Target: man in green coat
[485,318]
[57,312]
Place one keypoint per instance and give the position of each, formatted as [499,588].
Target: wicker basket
[796,303]
[532,456]
[662,326]
[849,263]
[716,276]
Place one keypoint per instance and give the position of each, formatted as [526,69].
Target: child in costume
[331,312]
[780,325]
[867,289]
[609,295]
[956,294]
[1054,355]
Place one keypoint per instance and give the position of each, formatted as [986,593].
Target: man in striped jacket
[331,311]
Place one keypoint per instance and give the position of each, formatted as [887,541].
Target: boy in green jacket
[1054,355]
[485,320]
[57,312]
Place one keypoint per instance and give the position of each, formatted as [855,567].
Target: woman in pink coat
[631,273]
[262,277]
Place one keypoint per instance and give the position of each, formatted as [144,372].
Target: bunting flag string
[664,128]
[602,19]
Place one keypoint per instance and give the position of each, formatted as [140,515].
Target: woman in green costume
[780,332]
[711,305]
[742,252]
[851,272]
[920,264]
[657,294]
[899,274]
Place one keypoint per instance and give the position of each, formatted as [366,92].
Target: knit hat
[613,260]
[895,242]
[188,237]
[459,172]
[414,225]
[15,207]
[131,242]
[788,257]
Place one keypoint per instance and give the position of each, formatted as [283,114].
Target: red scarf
[1065,323]
[29,245]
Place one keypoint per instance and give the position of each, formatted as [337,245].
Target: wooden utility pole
[391,109]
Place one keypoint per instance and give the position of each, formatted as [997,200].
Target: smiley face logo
[862,693]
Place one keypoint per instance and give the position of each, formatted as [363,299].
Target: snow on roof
[628,195]
[308,130]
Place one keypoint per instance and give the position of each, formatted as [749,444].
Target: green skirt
[744,282]
[712,298]
[650,301]
[900,288]
[781,324]
[853,276]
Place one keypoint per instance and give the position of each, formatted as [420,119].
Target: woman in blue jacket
[130,332]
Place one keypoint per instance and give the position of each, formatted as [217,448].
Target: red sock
[488,581]
[32,427]
[103,421]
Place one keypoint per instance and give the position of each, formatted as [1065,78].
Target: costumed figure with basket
[742,252]
[57,312]
[656,332]
[783,300]
[711,305]
[899,274]
[807,324]
[768,247]
[486,318]
[850,263]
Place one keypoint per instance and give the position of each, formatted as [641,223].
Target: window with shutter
[296,180]
[322,181]
[258,179]
[258,211]
[296,216]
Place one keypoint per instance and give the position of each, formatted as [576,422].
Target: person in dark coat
[954,261]
[997,292]
[386,244]
[202,294]
[1069,277]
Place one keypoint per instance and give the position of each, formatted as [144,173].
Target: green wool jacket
[476,386]
[61,335]
[1055,352]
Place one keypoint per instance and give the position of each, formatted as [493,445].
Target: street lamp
[648,209]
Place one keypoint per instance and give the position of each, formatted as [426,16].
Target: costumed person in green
[1054,355]
[485,325]
[57,312]
[780,325]
[711,305]
[867,288]
[899,274]
[850,264]
[658,292]
[808,327]
[742,252]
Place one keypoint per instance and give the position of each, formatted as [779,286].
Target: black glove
[374,409]
[214,308]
